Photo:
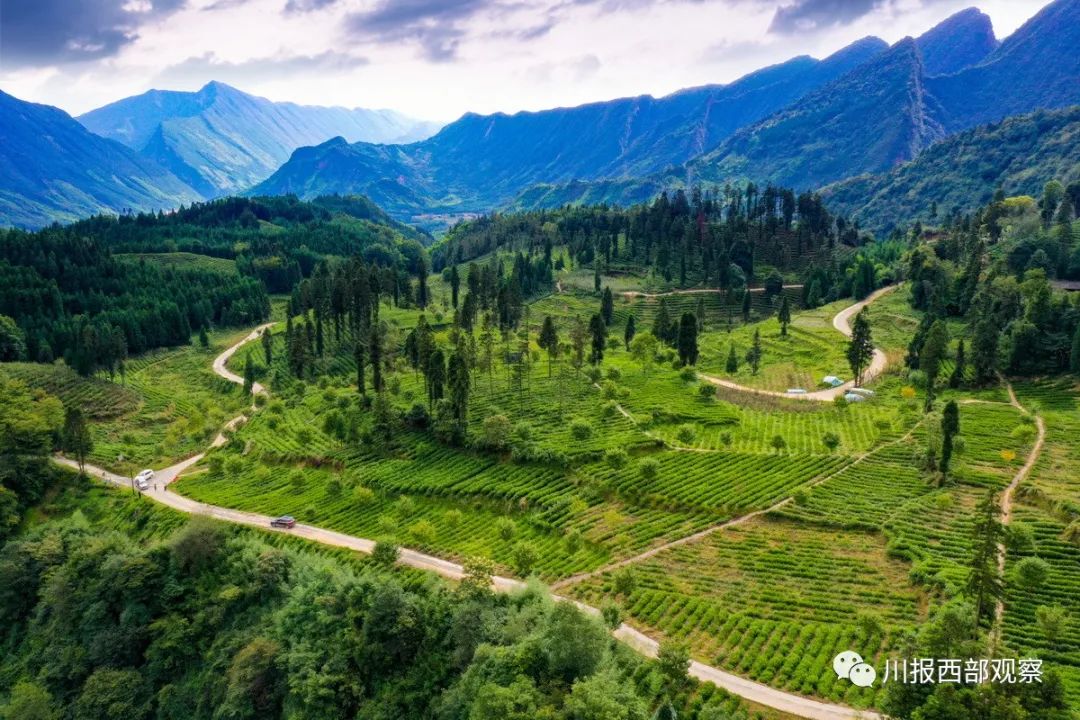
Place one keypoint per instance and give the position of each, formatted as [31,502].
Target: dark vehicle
[285,521]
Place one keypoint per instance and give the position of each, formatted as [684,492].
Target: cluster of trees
[1018,322]
[32,425]
[711,238]
[214,623]
[278,240]
[71,298]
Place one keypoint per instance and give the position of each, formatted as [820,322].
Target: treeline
[993,269]
[278,240]
[712,238]
[214,623]
[71,298]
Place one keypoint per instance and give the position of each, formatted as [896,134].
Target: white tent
[832,380]
[854,397]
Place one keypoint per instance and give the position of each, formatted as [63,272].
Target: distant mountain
[479,162]
[1038,66]
[962,40]
[869,120]
[962,172]
[54,169]
[221,140]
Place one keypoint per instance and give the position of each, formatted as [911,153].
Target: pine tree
[732,366]
[687,341]
[249,374]
[455,285]
[984,349]
[375,356]
[204,339]
[358,356]
[700,314]
[1074,356]
[435,376]
[596,275]
[631,330]
[753,356]
[549,340]
[579,335]
[957,376]
[76,436]
[598,332]
[860,349]
[746,306]
[267,340]
[984,585]
[459,383]
[662,323]
[930,357]
[950,426]
[320,346]
[784,316]
[607,306]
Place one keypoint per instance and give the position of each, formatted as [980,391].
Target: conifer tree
[860,349]
[784,316]
[598,333]
[607,306]
[753,356]
[687,342]
[630,331]
[732,365]
[984,586]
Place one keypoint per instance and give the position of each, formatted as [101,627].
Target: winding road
[842,322]
[747,689]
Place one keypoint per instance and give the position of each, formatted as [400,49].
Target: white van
[142,480]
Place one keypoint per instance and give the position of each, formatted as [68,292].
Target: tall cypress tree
[607,306]
[784,316]
[630,331]
[957,376]
[950,426]
[687,343]
[984,585]
[860,349]
[746,306]
[598,332]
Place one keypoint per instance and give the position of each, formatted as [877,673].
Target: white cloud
[435,59]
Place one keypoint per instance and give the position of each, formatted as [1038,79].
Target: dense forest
[994,269]
[722,239]
[72,298]
[278,240]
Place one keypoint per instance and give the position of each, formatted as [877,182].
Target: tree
[249,374]
[984,348]
[29,701]
[662,323]
[631,330]
[1052,621]
[860,349]
[643,349]
[957,376]
[12,340]
[267,340]
[931,356]
[459,381]
[524,558]
[579,335]
[109,694]
[732,365]
[549,341]
[435,376]
[598,332]
[673,661]
[1074,356]
[984,585]
[950,426]
[753,355]
[455,285]
[76,435]
[746,306]
[204,339]
[784,316]
[607,306]
[687,343]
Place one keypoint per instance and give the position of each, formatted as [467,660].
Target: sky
[434,59]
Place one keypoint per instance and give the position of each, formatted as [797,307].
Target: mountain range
[54,169]
[862,112]
[865,110]
[221,141]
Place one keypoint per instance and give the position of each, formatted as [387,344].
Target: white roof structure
[832,380]
[854,397]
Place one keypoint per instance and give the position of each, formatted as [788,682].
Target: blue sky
[433,59]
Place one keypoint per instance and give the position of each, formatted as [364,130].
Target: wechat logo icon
[850,666]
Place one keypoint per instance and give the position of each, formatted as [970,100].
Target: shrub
[649,469]
[609,390]
[523,432]
[573,541]
[616,458]
[405,506]
[362,495]
[802,496]
[688,374]
[609,409]
[726,439]
[1033,572]
[423,531]
[385,553]
[524,558]
[686,434]
[333,488]
[453,518]
[778,443]
[707,391]
[614,374]
[593,373]
[506,528]
[625,581]
[831,441]
[612,615]
[581,429]
[497,431]
[840,401]
[417,416]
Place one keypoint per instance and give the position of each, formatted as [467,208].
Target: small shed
[833,381]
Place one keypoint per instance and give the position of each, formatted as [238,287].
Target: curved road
[159,490]
[842,322]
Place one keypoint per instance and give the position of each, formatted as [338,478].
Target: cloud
[57,32]
[808,15]
[437,25]
[203,68]
[303,6]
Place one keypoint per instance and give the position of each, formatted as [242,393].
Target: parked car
[146,475]
[285,521]
[140,482]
